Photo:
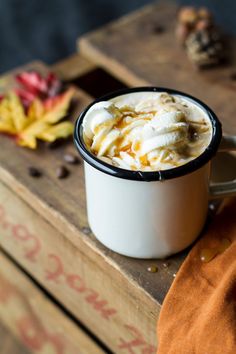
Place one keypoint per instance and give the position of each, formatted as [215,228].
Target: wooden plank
[9,344]
[112,307]
[72,67]
[38,324]
[131,50]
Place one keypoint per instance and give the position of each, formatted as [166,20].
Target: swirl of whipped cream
[164,131]
[148,135]
[98,124]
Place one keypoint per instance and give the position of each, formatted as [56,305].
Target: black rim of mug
[148,176]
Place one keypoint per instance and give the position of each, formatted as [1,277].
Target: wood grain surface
[9,343]
[73,67]
[38,325]
[111,306]
[134,51]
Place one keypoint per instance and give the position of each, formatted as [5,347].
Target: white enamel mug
[151,214]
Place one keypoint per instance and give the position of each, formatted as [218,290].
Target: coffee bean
[152,269]
[34,172]
[62,172]
[71,159]
[158,29]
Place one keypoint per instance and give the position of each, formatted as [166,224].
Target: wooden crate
[36,325]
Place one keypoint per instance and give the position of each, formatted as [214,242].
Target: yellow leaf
[28,141]
[7,127]
[60,130]
[4,110]
[6,122]
[59,110]
[28,137]
[36,110]
[41,121]
[16,111]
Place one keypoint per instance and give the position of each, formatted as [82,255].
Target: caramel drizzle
[200,127]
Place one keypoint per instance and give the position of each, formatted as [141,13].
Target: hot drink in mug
[147,155]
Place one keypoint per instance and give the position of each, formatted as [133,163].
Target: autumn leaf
[36,109]
[7,127]
[60,130]
[40,122]
[12,115]
[32,81]
[28,137]
[17,112]
[58,107]
[34,85]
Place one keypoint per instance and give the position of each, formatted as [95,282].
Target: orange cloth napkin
[198,315]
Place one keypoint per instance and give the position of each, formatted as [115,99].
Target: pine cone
[205,47]
[188,15]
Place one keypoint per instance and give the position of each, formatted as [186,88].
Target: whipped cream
[146,131]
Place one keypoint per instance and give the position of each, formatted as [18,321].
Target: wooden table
[72,292]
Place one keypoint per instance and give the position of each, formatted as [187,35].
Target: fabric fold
[198,315]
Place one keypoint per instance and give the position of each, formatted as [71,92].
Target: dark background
[48,29]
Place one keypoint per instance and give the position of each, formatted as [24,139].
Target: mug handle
[224,189]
